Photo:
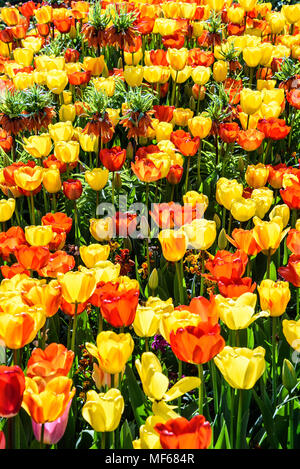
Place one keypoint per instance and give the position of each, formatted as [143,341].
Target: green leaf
[265,407]
[126,436]
[136,396]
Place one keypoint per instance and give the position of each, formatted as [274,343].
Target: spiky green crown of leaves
[37,98]
[218,107]
[123,19]
[214,23]
[97,18]
[139,100]
[12,104]
[288,69]
[96,100]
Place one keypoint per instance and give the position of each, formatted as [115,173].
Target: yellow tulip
[7,208]
[181,116]
[101,229]
[44,63]
[243,209]
[173,320]
[220,70]
[282,211]
[38,235]
[250,100]
[94,65]
[77,287]
[163,131]
[238,313]
[23,80]
[133,75]
[38,146]
[177,58]
[67,152]
[94,253]
[51,180]
[241,367]
[111,350]
[235,15]
[201,75]
[200,126]
[103,411]
[61,131]
[201,233]
[274,296]
[146,322]
[256,176]
[291,331]
[23,56]
[227,191]
[263,198]
[57,80]
[173,243]
[97,178]
[67,112]
[268,234]
[291,12]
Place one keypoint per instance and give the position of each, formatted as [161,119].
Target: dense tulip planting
[150,221]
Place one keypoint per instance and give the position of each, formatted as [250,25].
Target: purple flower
[159,343]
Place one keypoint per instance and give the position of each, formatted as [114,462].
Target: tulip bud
[241,164]
[217,220]
[129,151]
[222,240]
[153,280]
[289,378]
[192,104]
[127,244]
[120,63]
[118,181]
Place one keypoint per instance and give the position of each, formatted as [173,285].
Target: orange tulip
[54,361]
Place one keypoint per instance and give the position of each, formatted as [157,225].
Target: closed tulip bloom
[67,152]
[47,401]
[182,116]
[268,234]
[227,191]
[51,180]
[263,198]
[291,12]
[88,142]
[72,188]
[274,296]
[94,64]
[28,178]
[61,131]
[251,100]
[252,56]
[182,75]
[235,15]
[103,411]
[23,80]
[220,70]
[77,287]
[173,243]
[200,126]
[53,431]
[201,233]
[10,16]
[152,74]
[196,199]
[94,253]
[179,433]
[146,322]
[241,367]
[55,360]
[97,178]
[44,14]
[19,329]
[7,208]
[67,112]
[111,350]
[12,385]
[133,75]
[197,344]
[177,58]
[257,175]
[291,331]
[23,56]
[38,146]
[276,22]
[32,257]
[250,139]
[248,5]
[227,266]
[57,80]
[38,235]
[244,241]
[243,209]
[238,313]
[201,75]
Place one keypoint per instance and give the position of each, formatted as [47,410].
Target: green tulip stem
[297,303]
[229,223]
[268,264]
[187,174]
[146,344]
[103,440]
[274,360]
[202,278]
[179,377]
[291,422]
[201,389]
[239,420]
[214,385]
[42,436]
[113,188]
[100,323]
[179,279]
[199,166]
[74,328]
[174,89]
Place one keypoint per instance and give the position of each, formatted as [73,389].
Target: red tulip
[72,189]
[113,159]
[12,385]
[179,433]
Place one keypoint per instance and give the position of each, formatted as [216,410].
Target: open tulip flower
[149,225]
